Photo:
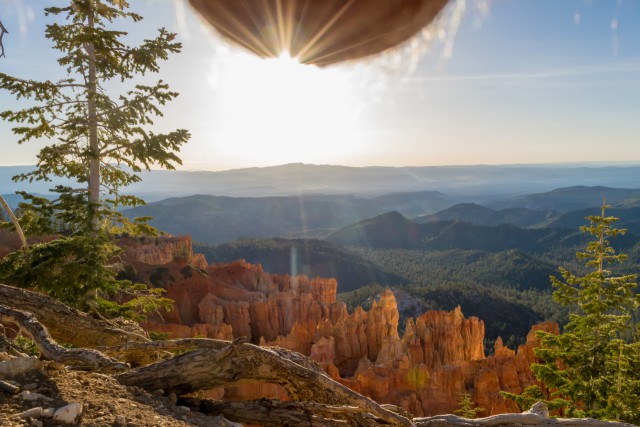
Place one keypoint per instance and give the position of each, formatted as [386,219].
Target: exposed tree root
[50,349]
[64,323]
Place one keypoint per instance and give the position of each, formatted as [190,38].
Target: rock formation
[439,357]
[160,250]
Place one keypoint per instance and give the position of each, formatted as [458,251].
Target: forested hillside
[481,215]
[310,257]
[499,273]
[218,219]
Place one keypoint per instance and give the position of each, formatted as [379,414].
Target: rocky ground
[48,394]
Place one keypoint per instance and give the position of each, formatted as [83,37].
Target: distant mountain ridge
[217,219]
[481,215]
[392,230]
[628,218]
[568,199]
[479,183]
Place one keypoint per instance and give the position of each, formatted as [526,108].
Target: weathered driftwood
[274,413]
[164,345]
[29,325]
[203,369]
[524,419]
[64,323]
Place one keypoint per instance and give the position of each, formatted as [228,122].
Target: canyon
[439,356]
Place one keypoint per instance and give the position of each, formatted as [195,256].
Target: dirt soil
[104,402]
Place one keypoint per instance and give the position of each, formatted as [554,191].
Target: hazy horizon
[559,164]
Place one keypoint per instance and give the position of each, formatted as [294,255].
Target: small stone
[9,388]
[19,365]
[173,398]
[31,413]
[36,423]
[48,412]
[68,414]
[159,392]
[120,421]
[31,386]
[30,396]
[183,408]
[55,366]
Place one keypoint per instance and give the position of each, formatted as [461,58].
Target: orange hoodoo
[320,32]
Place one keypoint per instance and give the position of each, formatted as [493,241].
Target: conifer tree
[594,364]
[466,407]
[97,121]
[96,132]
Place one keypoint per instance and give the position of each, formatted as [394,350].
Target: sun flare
[277,110]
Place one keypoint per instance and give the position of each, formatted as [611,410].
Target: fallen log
[64,323]
[239,362]
[274,413]
[533,418]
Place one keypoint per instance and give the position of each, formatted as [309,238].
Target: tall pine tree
[99,138]
[595,362]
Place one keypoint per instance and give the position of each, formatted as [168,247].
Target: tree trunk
[94,145]
[14,220]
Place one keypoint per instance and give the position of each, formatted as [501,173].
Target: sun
[276,110]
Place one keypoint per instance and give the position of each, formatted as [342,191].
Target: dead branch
[236,363]
[524,419]
[3,31]
[274,413]
[165,345]
[64,323]
[29,325]
[3,202]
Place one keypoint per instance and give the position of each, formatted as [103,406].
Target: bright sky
[509,81]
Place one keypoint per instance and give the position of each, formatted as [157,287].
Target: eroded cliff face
[159,250]
[439,357]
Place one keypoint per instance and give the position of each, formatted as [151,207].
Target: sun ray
[265,27]
[326,27]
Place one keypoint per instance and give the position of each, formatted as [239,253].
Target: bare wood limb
[524,419]
[14,220]
[165,345]
[51,349]
[203,369]
[66,324]
[274,413]
[3,31]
